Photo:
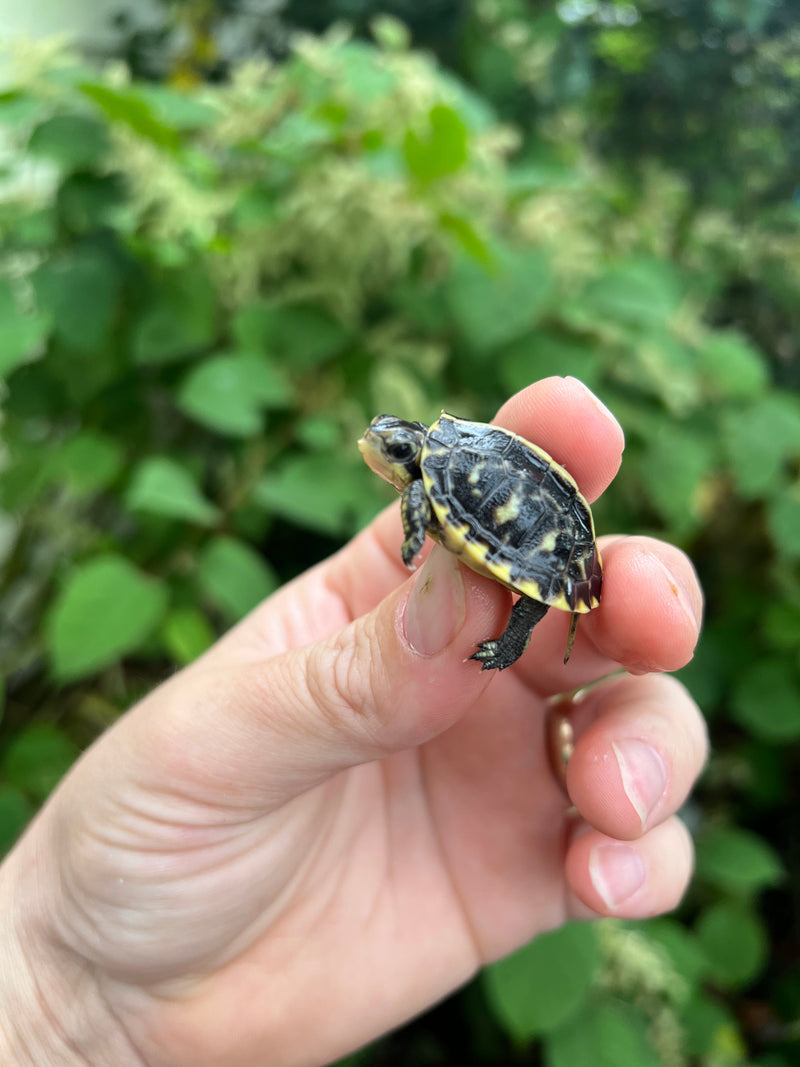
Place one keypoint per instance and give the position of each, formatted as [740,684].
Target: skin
[331,819]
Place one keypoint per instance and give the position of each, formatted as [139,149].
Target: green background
[214,272]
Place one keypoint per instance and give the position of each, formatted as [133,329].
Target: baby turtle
[503,506]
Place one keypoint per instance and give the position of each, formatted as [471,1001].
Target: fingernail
[617,872]
[643,775]
[436,608]
[598,403]
[680,592]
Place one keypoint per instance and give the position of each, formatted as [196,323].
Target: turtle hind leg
[506,649]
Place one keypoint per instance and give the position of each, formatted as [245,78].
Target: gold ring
[560,735]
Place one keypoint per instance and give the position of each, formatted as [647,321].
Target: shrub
[205,295]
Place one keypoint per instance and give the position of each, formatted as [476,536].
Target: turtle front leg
[506,649]
[415,509]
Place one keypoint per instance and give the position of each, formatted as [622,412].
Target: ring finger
[643,746]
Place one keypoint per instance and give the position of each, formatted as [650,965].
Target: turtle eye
[400,451]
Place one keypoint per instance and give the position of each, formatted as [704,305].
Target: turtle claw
[492,656]
[500,652]
[409,555]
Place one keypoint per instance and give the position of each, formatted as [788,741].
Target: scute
[510,512]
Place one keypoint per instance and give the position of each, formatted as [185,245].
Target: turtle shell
[506,509]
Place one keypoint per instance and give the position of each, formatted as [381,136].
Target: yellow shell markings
[548,542]
[455,537]
[509,511]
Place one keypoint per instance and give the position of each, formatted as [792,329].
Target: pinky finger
[629,879]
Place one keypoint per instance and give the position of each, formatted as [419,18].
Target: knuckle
[340,680]
[329,681]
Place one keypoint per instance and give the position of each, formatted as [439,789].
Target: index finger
[566,419]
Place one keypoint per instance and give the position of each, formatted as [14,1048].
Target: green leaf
[440,150]
[255,208]
[161,486]
[298,335]
[783,518]
[492,307]
[89,461]
[234,576]
[541,354]
[80,292]
[603,1035]
[318,492]
[319,433]
[420,301]
[395,386]
[766,700]
[545,983]
[19,108]
[186,634]
[735,942]
[106,609]
[781,625]
[627,48]
[363,73]
[297,138]
[759,439]
[25,479]
[128,108]
[475,110]
[88,202]
[681,947]
[765,774]
[15,812]
[179,319]
[22,335]
[467,237]
[177,110]
[707,673]
[34,227]
[74,142]
[37,758]
[639,292]
[737,861]
[675,464]
[733,366]
[229,392]
[665,367]
[711,1030]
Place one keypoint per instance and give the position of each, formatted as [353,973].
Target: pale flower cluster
[639,972]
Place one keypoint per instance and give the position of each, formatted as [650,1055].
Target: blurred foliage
[208,288]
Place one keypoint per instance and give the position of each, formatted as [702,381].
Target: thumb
[388,681]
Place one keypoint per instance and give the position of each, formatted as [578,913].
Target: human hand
[332,819]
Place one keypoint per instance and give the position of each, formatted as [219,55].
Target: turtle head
[392,447]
